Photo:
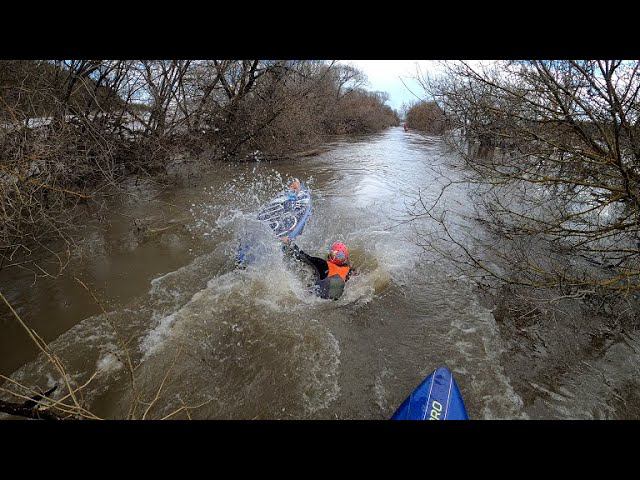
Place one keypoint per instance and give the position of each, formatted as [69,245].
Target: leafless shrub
[427,117]
[552,149]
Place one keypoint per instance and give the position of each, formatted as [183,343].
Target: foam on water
[108,363]
[476,337]
[157,336]
[601,388]
[225,351]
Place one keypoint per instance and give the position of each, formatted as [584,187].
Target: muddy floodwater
[255,343]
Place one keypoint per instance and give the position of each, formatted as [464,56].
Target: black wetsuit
[325,287]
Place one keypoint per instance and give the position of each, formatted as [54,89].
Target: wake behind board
[436,398]
[286,215]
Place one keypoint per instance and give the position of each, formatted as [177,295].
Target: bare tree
[348,79]
[553,151]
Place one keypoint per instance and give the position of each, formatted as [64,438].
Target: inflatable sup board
[436,398]
[285,214]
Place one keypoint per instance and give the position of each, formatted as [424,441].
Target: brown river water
[255,343]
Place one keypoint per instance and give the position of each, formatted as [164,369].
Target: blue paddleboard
[286,215]
[436,398]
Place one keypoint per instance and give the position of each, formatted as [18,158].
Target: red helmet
[338,254]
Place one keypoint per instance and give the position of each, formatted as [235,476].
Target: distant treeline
[427,117]
[67,127]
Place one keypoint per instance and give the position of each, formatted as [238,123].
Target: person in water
[331,274]
[295,186]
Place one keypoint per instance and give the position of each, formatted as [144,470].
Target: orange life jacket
[338,270]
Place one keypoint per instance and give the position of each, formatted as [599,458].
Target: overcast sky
[384,75]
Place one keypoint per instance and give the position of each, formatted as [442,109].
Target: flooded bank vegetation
[552,152]
[427,117]
[554,149]
[69,128]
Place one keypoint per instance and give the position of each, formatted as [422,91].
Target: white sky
[384,75]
